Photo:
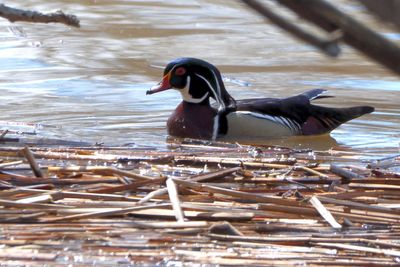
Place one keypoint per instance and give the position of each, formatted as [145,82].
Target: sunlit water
[89,84]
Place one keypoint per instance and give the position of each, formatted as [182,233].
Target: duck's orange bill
[161,86]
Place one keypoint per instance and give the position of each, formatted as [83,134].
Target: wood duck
[195,117]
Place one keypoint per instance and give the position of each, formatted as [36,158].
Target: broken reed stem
[304,239]
[174,198]
[11,163]
[24,217]
[245,196]
[100,214]
[202,177]
[388,252]
[169,224]
[324,212]
[357,205]
[101,170]
[127,174]
[211,176]
[311,171]
[45,198]
[32,162]
[375,186]
[16,204]
[60,194]
[153,194]
[129,187]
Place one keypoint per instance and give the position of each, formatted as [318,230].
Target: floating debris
[196,202]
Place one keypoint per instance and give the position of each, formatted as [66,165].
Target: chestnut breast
[191,120]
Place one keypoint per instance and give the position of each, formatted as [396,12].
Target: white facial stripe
[220,103]
[217,96]
[218,90]
[186,96]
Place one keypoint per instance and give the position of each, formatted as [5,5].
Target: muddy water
[89,84]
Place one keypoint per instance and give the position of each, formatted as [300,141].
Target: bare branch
[13,14]
[367,41]
[387,11]
[328,46]
[329,18]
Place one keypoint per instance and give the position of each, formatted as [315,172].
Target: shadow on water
[89,84]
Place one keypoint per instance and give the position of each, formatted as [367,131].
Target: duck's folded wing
[294,108]
[298,110]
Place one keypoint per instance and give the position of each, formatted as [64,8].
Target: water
[89,84]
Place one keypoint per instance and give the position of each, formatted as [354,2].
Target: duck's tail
[324,119]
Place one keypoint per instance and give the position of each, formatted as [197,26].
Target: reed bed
[197,203]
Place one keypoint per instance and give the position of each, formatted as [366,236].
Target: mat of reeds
[197,203]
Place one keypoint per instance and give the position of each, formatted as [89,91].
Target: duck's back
[273,117]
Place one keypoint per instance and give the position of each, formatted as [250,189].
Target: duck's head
[197,81]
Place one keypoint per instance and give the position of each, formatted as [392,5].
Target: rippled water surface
[89,84]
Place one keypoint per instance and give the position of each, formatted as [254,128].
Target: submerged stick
[32,162]
[348,175]
[3,134]
[224,228]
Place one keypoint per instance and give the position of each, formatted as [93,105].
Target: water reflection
[318,142]
[89,84]
[354,83]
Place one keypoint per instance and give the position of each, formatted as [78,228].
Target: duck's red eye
[180,71]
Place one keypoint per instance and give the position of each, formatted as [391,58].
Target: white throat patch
[186,96]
